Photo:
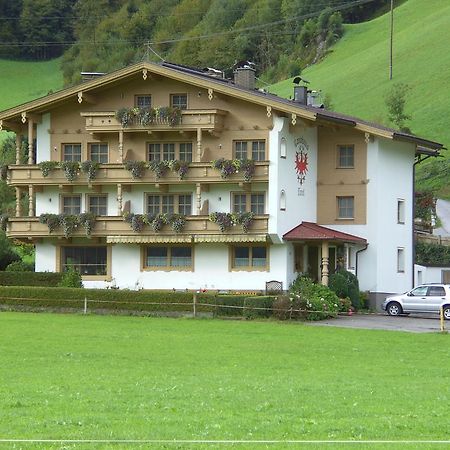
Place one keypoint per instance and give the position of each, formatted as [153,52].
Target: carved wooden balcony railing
[29,228]
[199,172]
[191,119]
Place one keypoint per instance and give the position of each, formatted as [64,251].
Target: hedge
[251,305]
[109,299]
[30,278]
[228,301]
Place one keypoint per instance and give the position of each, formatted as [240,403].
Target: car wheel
[447,312]
[394,309]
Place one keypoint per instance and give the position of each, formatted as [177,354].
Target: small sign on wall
[301,192]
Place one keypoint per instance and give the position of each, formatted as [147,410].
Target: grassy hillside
[23,81]
[356,72]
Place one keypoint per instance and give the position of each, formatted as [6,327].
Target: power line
[340,7]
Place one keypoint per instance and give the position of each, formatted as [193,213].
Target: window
[154,152]
[283,200]
[185,204]
[345,156]
[71,152]
[243,202]
[168,257]
[283,148]
[258,150]
[400,260]
[99,153]
[86,260]
[345,206]
[169,204]
[71,204]
[419,292]
[178,101]
[249,257]
[436,291]
[168,151]
[400,211]
[98,205]
[241,150]
[186,151]
[143,101]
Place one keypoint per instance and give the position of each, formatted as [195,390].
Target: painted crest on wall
[301,159]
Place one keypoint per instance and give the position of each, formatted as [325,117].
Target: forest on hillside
[280,36]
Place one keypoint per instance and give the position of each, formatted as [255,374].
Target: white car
[427,298]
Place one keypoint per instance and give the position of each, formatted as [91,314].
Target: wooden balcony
[115,229]
[113,174]
[191,120]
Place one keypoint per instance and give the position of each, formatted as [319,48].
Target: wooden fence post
[194,304]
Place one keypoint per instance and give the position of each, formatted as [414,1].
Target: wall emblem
[301,159]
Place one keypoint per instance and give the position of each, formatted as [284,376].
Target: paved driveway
[413,323]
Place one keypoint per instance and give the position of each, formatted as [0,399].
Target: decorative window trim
[249,150]
[88,203]
[90,144]
[339,147]
[136,96]
[146,268]
[250,268]
[248,201]
[338,209]
[180,94]
[61,203]
[107,277]
[63,145]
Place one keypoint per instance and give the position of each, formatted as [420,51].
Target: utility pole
[391,40]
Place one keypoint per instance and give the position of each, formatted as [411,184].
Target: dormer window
[143,101]
[178,101]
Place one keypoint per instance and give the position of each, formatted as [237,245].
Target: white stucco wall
[425,274]
[390,175]
[45,258]
[301,200]
[211,270]
[43,150]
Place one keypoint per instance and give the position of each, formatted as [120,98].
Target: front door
[313,263]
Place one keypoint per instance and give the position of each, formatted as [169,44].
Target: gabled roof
[309,231]
[202,80]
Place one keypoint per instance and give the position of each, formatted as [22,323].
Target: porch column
[199,144]
[198,191]
[325,258]
[30,140]
[119,199]
[30,200]
[121,146]
[18,203]
[18,147]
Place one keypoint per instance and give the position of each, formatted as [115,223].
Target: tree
[396,102]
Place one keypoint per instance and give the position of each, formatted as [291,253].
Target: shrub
[227,302]
[287,308]
[345,284]
[318,301]
[251,305]
[20,266]
[48,279]
[71,278]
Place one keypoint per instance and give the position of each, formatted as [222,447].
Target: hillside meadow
[114,377]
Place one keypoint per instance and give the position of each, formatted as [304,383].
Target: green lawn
[104,377]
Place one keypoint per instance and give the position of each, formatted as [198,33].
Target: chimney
[244,74]
[300,94]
